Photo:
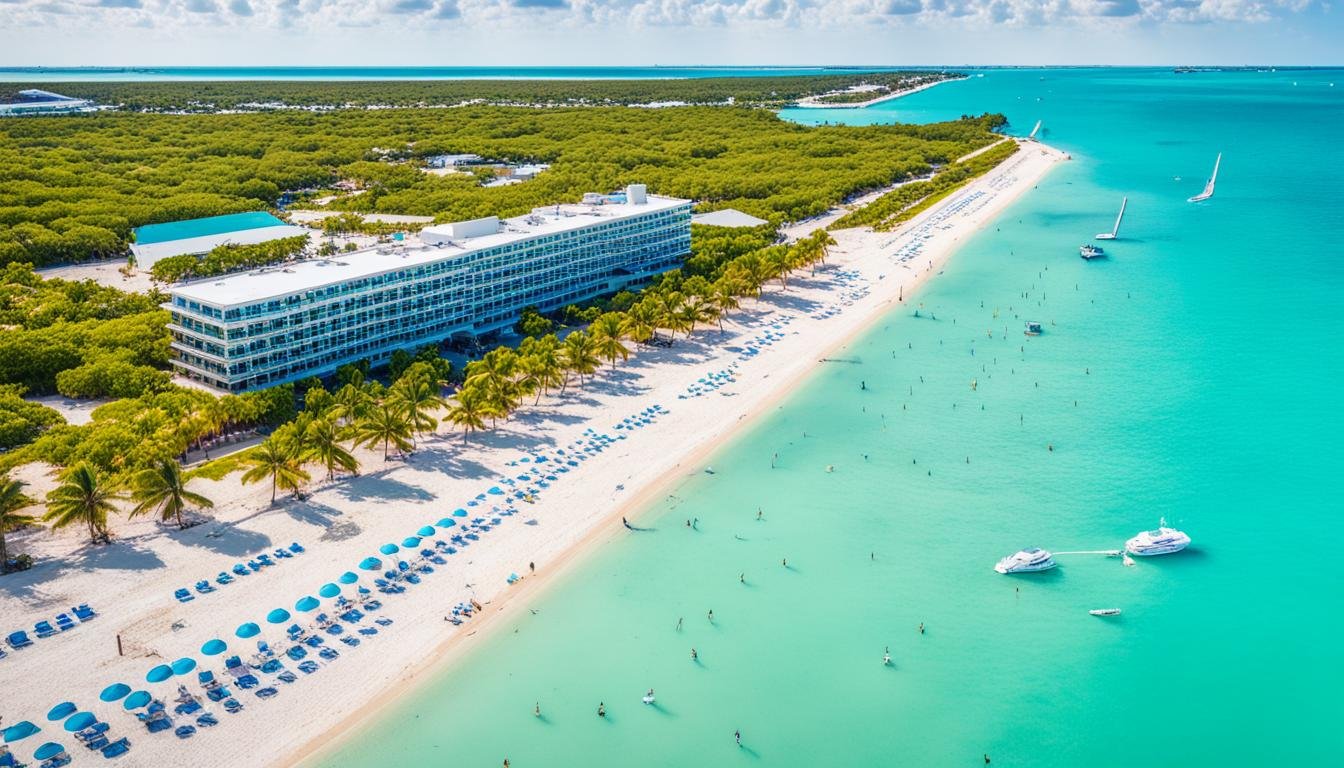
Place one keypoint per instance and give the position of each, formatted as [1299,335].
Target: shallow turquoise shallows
[211,225]
[1194,374]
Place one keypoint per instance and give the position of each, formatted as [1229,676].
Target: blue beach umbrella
[306,603]
[348,578]
[159,673]
[278,616]
[214,647]
[247,630]
[183,666]
[389,549]
[427,530]
[114,692]
[496,491]
[79,721]
[459,512]
[446,522]
[136,700]
[370,564]
[20,730]
[410,542]
[329,590]
[61,711]
[48,751]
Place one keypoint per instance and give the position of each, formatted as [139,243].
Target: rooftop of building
[727,217]
[275,282]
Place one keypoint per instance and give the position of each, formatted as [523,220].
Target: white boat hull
[1105,612]
[1152,551]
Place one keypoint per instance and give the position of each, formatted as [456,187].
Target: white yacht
[1162,541]
[1027,561]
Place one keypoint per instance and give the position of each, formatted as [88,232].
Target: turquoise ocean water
[1193,375]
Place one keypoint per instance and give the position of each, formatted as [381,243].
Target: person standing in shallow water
[601,709]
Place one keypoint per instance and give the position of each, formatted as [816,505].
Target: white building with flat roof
[280,324]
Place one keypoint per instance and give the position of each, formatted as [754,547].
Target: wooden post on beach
[119,652]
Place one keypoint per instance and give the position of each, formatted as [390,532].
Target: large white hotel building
[278,324]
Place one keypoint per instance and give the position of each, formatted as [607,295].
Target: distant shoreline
[811,103]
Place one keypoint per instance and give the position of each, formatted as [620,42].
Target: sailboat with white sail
[1116,229]
[1032,136]
[1208,188]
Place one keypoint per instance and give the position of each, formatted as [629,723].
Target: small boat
[1105,611]
[1115,230]
[648,697]
[1208,187]
[1162,541]
[1028,560]
[1090,252]
[1033,328]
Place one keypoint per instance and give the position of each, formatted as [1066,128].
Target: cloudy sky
[645,32]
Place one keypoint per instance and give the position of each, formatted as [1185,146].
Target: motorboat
[1162,541]
[1033,328]
[1089,251]
[1105,611]
[1027,561]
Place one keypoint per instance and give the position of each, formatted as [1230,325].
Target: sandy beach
[692,396]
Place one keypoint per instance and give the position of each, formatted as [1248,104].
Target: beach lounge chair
[308,667]
[184,596]
[265,560]
[248,682]
[55,761]
[234,665]
[266,693]
[203,586]
[64,622]
[218,693]
[271,667]
[295,548]
[206,678]
[117,748]
[313,641]
[97,742]
[223,578]
[264,648]
[296,653]
[286,676]
[383,621]
[254,565]
[282,552]
[157,723]
[207,720]
[185,731]
[328,653]
[412,578]
[189,707]
[233,705]
[241,569]
[350,641]
[368,631]
[19,639]
[44,629]
[83,612]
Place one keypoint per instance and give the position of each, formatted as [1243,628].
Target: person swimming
[694,656]
[601,709]
[886,657]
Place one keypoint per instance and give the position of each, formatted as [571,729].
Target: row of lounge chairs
[43,629]
[254,565]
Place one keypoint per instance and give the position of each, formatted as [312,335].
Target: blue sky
[645,32]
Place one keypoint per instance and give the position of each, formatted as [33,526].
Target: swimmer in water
[536,711]
[694,656]
[601,709]
[886,657]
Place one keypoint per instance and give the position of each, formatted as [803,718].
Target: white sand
[131,582]
[810,102]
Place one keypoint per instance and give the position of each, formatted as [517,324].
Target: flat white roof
[146,255]
[727,217]
[274,282]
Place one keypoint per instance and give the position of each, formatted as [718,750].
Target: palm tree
[670,314]
[695,310]
[724,298]
[580,356]
[353,401]
[162,489]
[824,242]
[494,376]
[12,499]
[324,447]
[543,366]
[82,497]
[387,424]
[641,321]
[415,394]
[607,331]
[278,460]
[469,410]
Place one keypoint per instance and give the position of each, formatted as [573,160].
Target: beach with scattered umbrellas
[262,635]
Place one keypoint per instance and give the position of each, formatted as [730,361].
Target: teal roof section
[211,225]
